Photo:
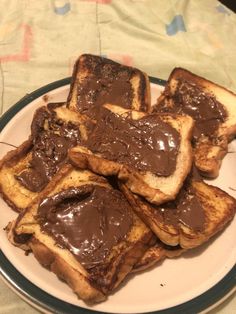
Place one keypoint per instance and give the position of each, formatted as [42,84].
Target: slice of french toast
[156,253]
[97,80]
[199,211]
[150,153]
[213,108]
[84,231]
[26,170]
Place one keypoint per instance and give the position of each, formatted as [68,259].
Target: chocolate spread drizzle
[52,138]
[108,83]
[147,144]
[186,208]
[207,112]
[191,213]
[87,220]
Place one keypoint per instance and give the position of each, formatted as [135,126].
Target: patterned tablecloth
[40,40]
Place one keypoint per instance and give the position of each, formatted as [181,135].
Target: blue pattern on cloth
[221,9]
[62,10]
[176,25]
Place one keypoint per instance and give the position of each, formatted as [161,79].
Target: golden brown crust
[210,166]
[11,191]
[15,155]
[78,283]
[109,168]
[150,258]
[179,73]
[127,259]
[145,94]
[156,253]
[21,242]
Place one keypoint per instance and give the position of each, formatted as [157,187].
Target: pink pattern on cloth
[24,55]
[121,58]
[100,1]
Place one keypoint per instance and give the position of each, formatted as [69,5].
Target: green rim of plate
[43,300]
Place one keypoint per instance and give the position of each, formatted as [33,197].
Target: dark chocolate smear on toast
[147,144]
[88,220]
[203,107]
[52,138]
[108,82]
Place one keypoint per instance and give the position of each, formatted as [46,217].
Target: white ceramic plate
[187,284]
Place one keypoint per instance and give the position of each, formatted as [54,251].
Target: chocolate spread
[207,112]
[191,212]
[186,208]
[168,213]
[147,144]
[87,220]
[52,138]
[109,82]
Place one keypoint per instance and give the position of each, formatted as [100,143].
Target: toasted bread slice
[98,80]
[199,212]
[156,253]
[26,170]
[85,231]
[150,153]
[214,109]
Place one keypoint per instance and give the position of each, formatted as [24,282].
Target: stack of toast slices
[107,185]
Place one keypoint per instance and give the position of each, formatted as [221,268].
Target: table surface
[40,41]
